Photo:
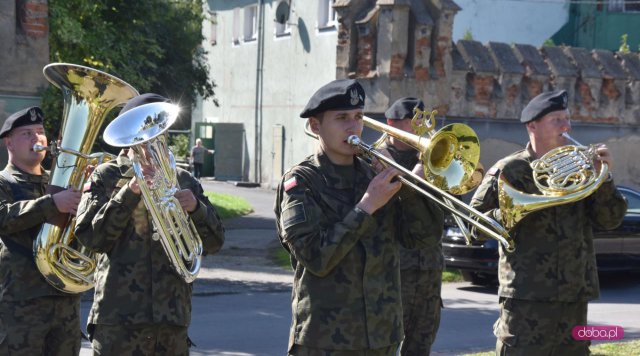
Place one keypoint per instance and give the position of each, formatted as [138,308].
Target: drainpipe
[257,169]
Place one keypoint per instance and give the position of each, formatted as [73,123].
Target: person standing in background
[197,157]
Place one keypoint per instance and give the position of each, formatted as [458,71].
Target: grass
[280,257]
[451,275]
[229,206]
[609,349]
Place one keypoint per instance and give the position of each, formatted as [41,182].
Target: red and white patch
[290,183]
[86,187]
[492,171]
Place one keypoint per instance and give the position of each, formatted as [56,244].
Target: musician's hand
[133,185]
[604,155]
[377,164]
[187,200]
[380,190]
[67,201]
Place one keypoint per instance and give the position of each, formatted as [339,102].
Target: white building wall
[510,21]
[294,67]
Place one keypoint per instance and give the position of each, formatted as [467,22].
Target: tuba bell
[563,175]
[142,130]
[89,95]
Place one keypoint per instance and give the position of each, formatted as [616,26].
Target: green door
[205,131]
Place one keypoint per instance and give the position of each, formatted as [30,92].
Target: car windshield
[633,198]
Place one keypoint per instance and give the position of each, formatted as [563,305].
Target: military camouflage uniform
[138,297]
[35,318]
[346,292]
[421,278]
[546,283]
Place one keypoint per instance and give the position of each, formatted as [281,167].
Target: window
[282,29]
[250,22]
[624,6]
[236,26]
[213,36]
[326,14]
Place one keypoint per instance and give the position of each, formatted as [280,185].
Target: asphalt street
[241,303]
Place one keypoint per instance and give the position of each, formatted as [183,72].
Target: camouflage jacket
[24,207]
[346,291]
[429,258]
[554,258]
[135,282]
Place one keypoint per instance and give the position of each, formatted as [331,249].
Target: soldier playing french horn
[140,304]
[547,282]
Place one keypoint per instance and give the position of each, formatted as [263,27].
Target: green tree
[180,145]
[624,46]
[154,45]
[467,35]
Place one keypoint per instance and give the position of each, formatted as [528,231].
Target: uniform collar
[333,178]
[22,176]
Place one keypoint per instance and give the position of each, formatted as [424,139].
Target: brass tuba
[450,158]
[142,130]
[89,95]
[564,175]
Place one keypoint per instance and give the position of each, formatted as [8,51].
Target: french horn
[563,175]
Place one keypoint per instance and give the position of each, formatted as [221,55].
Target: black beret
[142,99]
[29,116]
[403,108]
[543,104]
[341,94]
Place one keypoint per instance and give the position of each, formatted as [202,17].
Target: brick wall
[494,80]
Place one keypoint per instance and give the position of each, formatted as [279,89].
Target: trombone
[448,159]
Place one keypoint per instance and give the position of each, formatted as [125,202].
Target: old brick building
[24,36]
[401,48]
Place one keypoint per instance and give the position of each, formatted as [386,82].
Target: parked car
[616,250]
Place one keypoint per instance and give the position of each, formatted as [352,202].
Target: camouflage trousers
[299,350]
[421,307]
[41,326]
[539,328]
[142,340]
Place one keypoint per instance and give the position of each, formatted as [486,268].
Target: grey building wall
[265,83]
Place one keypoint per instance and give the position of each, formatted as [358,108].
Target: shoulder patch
[290,183]
[493,171]
[293,214]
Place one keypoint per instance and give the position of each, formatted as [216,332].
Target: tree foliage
[154,45]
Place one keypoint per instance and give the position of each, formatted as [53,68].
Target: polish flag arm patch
[290,183]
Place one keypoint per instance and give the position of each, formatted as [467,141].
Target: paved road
[241,303]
